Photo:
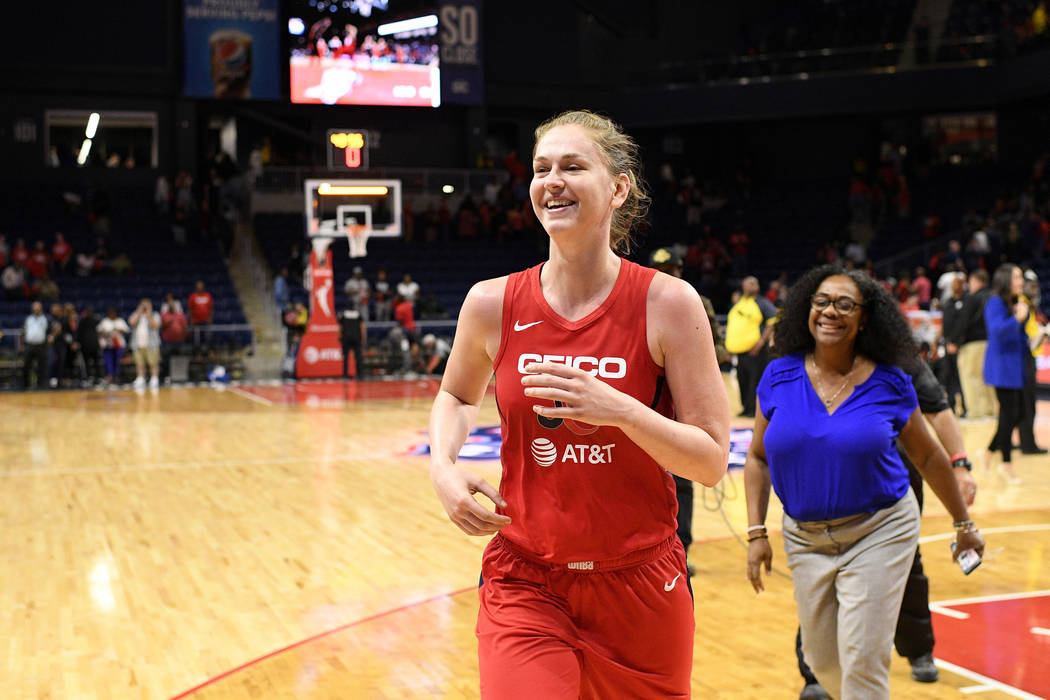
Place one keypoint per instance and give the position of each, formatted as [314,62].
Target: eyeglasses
[844,305]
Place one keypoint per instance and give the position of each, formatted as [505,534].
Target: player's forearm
[691,452]
[450,422]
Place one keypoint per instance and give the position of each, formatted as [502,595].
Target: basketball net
[320,245]
[357,238]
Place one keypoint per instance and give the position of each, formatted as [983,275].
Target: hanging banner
[231,48]
[320,353]
[462,77]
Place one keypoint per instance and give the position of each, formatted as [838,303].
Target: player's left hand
[582,397]
[967,486]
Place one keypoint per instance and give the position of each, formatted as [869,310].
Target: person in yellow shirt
[1037,335]
[749,325]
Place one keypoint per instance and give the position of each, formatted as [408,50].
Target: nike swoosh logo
[670,586]
[519,327]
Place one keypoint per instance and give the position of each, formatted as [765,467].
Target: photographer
[145,344]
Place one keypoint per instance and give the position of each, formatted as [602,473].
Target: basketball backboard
[333,205]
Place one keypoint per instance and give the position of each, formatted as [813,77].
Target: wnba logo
[544,452]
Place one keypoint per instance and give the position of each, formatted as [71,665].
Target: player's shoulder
[672,291]
[484,301]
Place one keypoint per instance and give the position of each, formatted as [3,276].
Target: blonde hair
[620,153]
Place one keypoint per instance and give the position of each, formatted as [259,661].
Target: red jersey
[38,263]
[201,305]
[575,491]
[61,252]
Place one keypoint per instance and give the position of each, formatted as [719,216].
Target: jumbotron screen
[364,52]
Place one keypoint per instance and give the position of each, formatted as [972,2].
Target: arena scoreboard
[347,149]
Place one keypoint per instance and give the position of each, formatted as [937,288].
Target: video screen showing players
[364,52]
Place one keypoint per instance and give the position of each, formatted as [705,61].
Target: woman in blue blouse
[831,409]
[1004,362]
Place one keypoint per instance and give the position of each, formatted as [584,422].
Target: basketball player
[583,594]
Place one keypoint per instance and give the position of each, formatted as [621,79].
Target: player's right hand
[455,489]
[758,553]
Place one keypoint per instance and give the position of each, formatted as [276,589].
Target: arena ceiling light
[408,25]
[362,190]
[92,125]
[85,149]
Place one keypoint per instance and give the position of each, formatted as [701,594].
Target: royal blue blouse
[831,466]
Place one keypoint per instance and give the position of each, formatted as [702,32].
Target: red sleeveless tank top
[575,491]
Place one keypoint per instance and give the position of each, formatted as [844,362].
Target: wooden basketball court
[284,542]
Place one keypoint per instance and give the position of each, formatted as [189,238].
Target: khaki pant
[980,398]
[849,577]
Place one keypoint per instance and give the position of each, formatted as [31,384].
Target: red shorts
[614,629]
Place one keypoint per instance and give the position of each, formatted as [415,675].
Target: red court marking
[327,633]
[996,641]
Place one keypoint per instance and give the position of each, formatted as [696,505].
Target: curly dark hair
[885,337]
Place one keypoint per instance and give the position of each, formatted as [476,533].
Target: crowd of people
[848,386]
[67,347]
[409,351]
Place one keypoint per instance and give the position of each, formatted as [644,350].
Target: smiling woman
[831,409]
[589,351]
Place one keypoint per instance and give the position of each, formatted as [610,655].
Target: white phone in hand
[968,560]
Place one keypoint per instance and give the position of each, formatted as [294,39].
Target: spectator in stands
[1005,315]
[5,250]
[381,295]
[61,254]
[1036,330]
[14,282]
[404,314]
[296,318]
[74,366]
[20,254]
[162,195]
[45,289]
[954,327]
[407,289]
[39,261]
[296,264]
[749,326]
[739,242]
[357,289]
[979,397]
[112,331]
[434,354]
[923,288]
[352,336]
[145,326]
[87,264]
[202,311]
[120,264]
[88,340]
[60,340]
[35,337]
[174,328]
[281,293]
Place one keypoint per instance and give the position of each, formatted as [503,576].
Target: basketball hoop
[357,237]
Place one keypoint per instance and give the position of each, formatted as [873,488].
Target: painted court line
[1041,631]
[322,635]
[993,598]
[986,683]
[251,396]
